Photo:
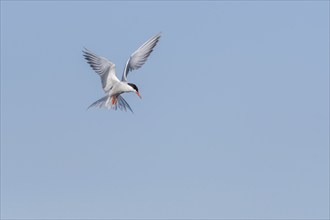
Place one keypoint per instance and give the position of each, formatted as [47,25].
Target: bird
[112,86]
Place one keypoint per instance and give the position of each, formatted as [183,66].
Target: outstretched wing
[103,67]
[140,56]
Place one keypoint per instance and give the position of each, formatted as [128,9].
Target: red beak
[139,95]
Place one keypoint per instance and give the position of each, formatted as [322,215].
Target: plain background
[234,120]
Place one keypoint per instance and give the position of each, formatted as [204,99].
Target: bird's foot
[113,100]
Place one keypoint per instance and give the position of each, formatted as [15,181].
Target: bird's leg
[113,100]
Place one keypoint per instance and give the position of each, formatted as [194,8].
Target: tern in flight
[112,86]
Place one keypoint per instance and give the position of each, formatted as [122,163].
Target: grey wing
[103,67]
[140,56]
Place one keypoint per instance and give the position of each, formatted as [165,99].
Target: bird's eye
[133,86]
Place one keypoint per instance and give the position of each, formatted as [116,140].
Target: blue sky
[234,120]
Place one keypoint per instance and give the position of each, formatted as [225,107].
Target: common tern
[112,86]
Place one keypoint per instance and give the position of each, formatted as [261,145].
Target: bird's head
[135,89]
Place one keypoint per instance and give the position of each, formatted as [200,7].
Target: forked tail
[113,102]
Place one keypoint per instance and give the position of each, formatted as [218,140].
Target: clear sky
[234,120]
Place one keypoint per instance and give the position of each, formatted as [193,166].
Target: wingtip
[158,35]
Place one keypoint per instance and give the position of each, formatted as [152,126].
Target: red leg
[113,100]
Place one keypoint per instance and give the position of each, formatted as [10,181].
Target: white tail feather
[105,102]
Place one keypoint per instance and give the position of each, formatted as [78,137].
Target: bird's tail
[112,102]
[101,103]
